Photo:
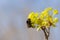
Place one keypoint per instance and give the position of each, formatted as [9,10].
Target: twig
[46,32]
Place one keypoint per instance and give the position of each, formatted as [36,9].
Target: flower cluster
[45,18]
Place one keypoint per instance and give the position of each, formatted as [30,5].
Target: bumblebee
[29,24]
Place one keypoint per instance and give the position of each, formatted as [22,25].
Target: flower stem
[46,32]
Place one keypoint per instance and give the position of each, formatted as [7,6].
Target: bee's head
[29,24]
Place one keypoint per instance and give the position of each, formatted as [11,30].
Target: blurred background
[13,16]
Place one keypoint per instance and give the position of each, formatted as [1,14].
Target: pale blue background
[13,16]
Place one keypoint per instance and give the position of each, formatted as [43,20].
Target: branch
[46,32]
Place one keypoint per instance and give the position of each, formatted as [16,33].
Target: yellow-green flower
[36,14]
[50,18]
[39,21]
[31,14]
[43,19]
[45,23]
[55,11]
[55,20]
[48,9]
[44,13]
[41,16]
